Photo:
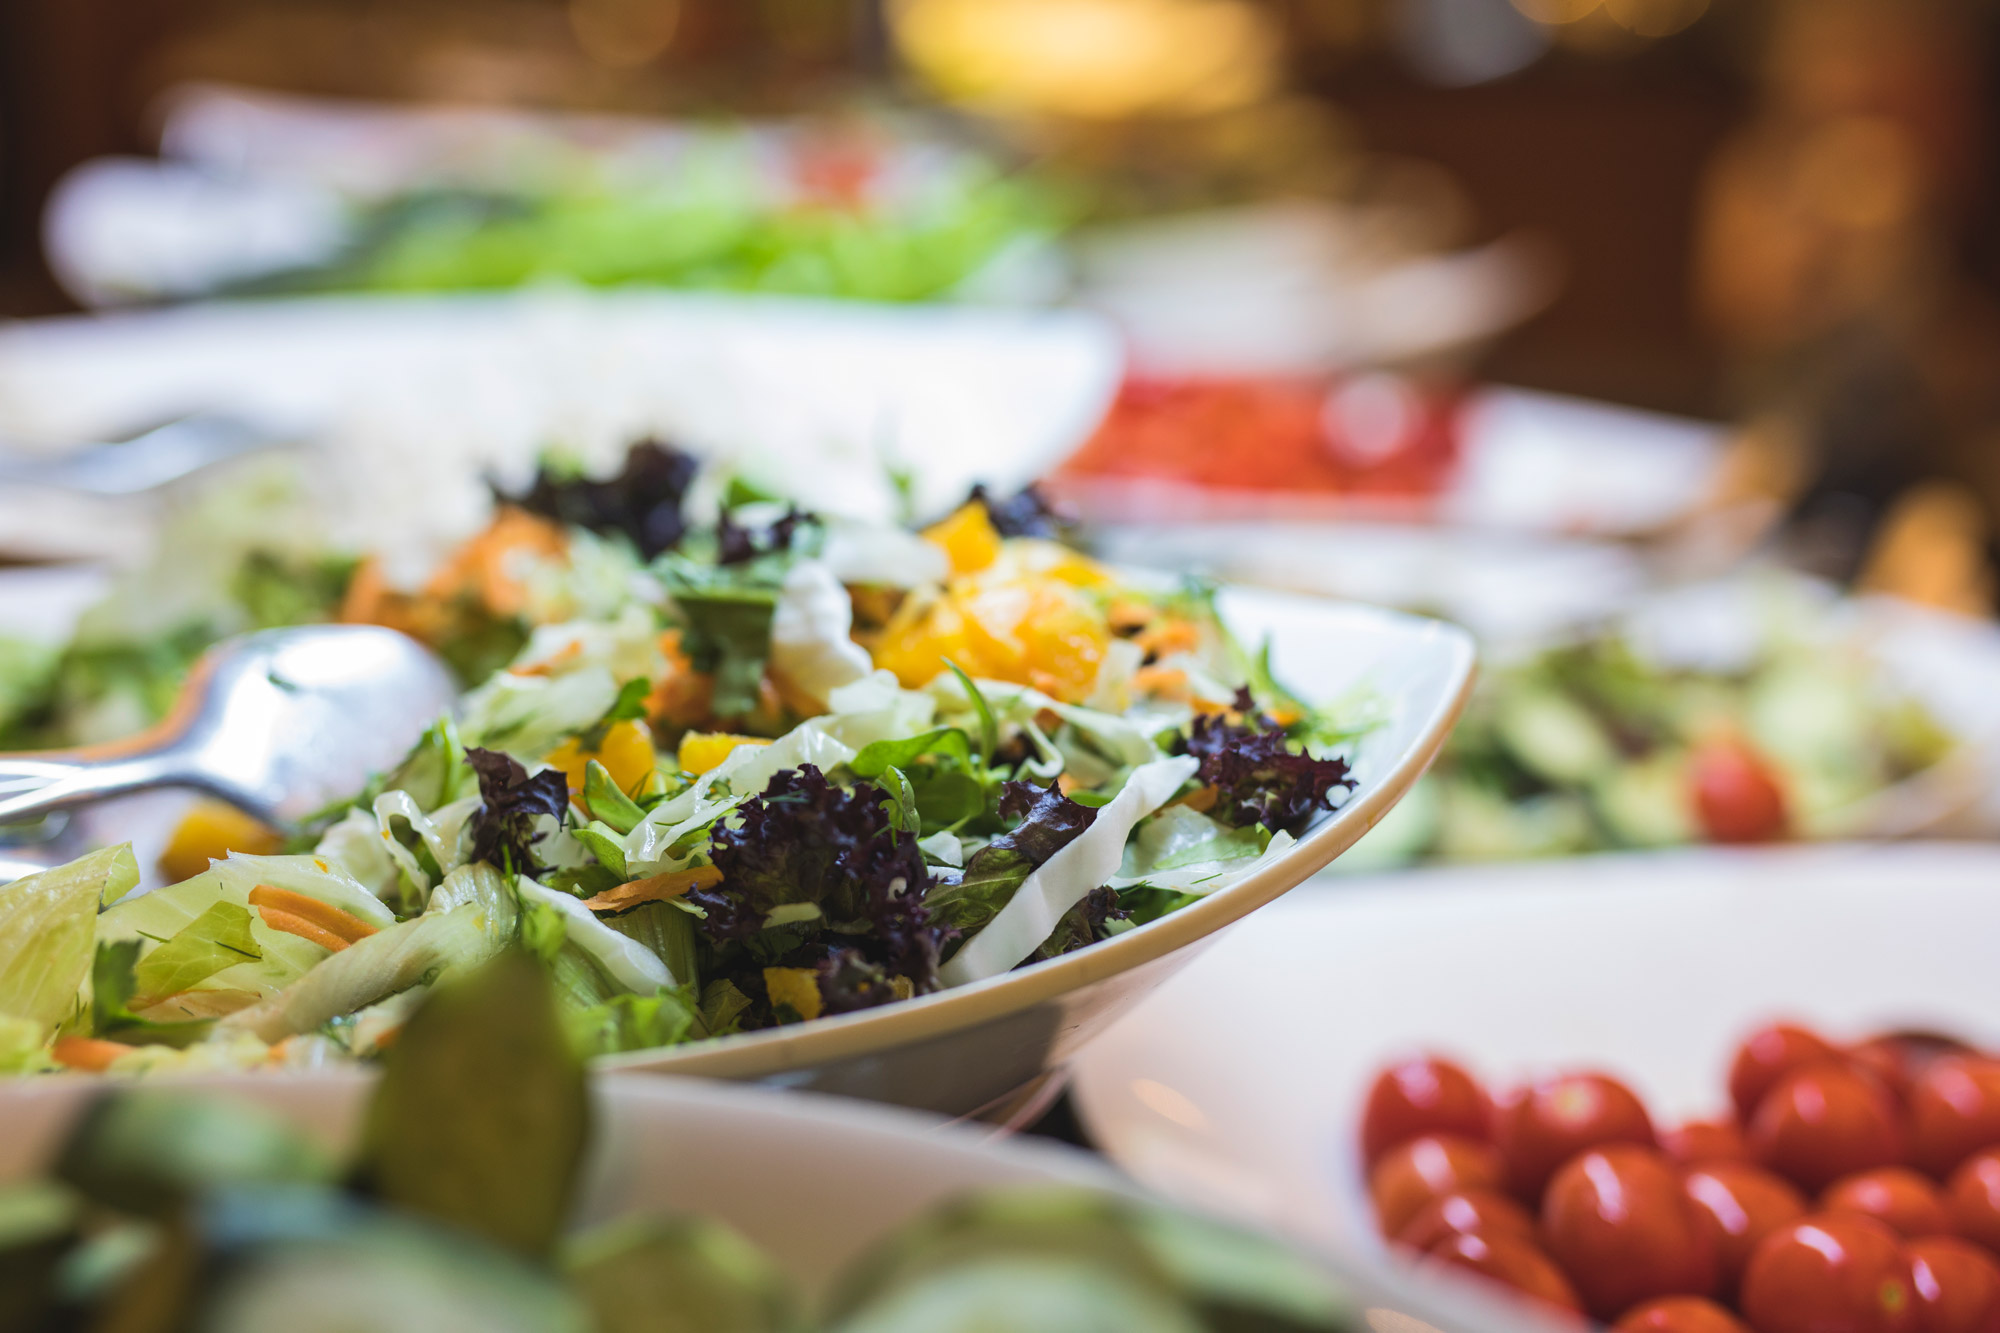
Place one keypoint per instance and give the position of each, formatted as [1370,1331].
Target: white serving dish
[1239,1084]
[812,1181]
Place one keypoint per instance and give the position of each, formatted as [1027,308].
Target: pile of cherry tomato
[1850,1189]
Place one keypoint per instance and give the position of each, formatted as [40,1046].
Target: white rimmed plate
[1238,1085]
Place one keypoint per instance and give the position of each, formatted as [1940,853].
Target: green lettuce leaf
[635,1023]
[48,933]
[219,938]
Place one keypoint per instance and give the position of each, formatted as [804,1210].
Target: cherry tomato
[1518,1263]
[1678,1314]
[1769,1054]
[1695,1141]
[1957,1284]
[1618,1222]
[1830,1273]
[1972,1197]
[1425,1096]
[1954,1111]
[1744,1203]
[1895,1196]
[1737,797]
[1468,1212]
[1545,1124]
[1823,1122]
[1900,1058]
[1413,1174]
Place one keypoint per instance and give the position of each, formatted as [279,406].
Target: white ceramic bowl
[1239,1084]
[813,1181]
[989,1047]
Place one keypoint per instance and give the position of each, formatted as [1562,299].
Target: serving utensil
[145,462]
[278,723]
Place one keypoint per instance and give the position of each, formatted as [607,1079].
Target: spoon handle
[33,785]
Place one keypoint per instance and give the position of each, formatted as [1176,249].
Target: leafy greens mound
[706,806]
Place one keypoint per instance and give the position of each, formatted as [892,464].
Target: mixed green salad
[745,769]
[166,1210]
[1604,743]
[830,216]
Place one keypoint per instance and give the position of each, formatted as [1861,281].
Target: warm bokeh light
[1656,18]
[1558,11]
[623,34]
[1091,58]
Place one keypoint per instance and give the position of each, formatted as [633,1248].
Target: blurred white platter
[413,402]
[1529,463]
[1238,1084]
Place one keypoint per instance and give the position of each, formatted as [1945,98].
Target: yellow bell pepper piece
[210,831]
[796,986]
[967,538]
[627,755]
[702,750]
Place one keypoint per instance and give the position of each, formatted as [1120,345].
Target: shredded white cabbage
[623,959]
[811,633]
[1062,881]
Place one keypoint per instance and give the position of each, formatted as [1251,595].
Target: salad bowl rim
[777,1050]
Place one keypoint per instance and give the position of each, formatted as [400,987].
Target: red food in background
[1517,1263]
[1678,1314]
[1767,1055]
[1737,796]
[1954,1111]
[1274,434]
[1830,1273]
[1541,1126]
[1471,1212]
[1895,1196]
[1824,1122]
[1618,1222]
[1423,1096]
[1957,1286]
[1744,1204]
[1972,1197]
[1410,1175]
[1705,1141]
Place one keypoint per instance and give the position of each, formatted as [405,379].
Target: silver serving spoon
[279,723]
[145,462]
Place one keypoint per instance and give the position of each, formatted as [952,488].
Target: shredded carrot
[1126,616]
[563,656]
[671,884]
[1167,682]
[324,915]
[681,695]
[1167,636]
[88,1053]
[304,929]
[490,565]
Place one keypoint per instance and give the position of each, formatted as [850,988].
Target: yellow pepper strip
[326,916]
[796,986]
[653,888]
[210,831]
[88,1053]
[702,750]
